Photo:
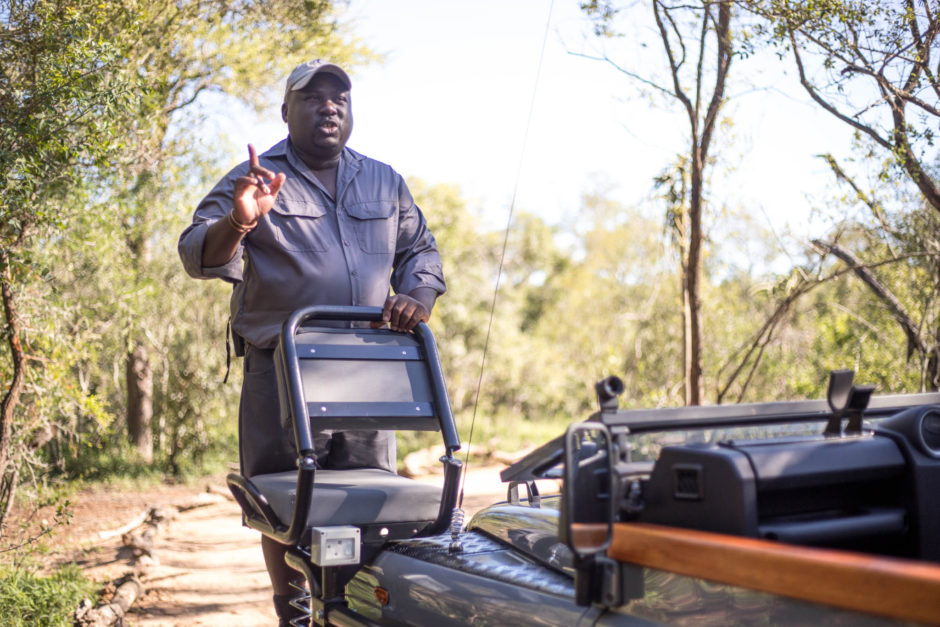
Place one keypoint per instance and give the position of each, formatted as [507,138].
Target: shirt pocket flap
[371,210]
[299,208]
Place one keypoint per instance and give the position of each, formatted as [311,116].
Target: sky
[466,96]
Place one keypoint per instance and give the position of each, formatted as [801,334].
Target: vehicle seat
[353,378]
[357,496]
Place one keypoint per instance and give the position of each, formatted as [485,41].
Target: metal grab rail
[746,414]
[252,500]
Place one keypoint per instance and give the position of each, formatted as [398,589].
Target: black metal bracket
[254,505]
[846,400]
[327,588]
[620,582]
[605,582]
[608,390]
[532,493]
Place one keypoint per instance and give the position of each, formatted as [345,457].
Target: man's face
[319,117]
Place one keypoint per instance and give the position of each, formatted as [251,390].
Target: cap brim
[328,68]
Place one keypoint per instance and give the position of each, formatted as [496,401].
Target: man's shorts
[267,447]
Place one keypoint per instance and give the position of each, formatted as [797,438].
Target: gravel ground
[209,568]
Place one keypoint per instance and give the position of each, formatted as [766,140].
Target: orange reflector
[381,595]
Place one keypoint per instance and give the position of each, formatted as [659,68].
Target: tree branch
[904,153]
[723,32]
[678,93]
[625,71]
[875,207]
[762,337]
[703,33]
[927,45]
[914,338]
[808,87]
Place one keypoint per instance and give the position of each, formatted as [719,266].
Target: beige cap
[302,74]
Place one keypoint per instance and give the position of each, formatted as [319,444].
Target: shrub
[28,598]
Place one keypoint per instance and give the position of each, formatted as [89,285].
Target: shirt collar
[284,149]
[349,164]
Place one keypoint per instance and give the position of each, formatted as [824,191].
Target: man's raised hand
[256,191]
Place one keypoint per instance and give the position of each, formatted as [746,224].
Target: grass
[118,459]
[28,598]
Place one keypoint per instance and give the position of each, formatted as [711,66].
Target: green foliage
[871,65]
[98,175]
[126,292]
[64,116]
[563,318]
[96,181]
[28,598]
[617,311]
[602,14]
[63,108]
[611,305]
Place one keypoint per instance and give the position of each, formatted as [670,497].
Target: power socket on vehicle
[335,546]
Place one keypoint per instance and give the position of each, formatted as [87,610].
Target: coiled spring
[457,516]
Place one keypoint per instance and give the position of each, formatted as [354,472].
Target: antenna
[502,256]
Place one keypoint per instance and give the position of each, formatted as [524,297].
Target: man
[310,222]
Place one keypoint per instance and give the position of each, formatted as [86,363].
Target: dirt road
[210,570]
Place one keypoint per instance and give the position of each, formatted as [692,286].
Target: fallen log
[222,491]
[135,522]
[204,499]
[112,612]
[142,544]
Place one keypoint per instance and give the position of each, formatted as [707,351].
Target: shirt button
[355,273]
[345,242]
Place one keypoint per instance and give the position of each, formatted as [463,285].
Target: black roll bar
[779,412]
[306,470]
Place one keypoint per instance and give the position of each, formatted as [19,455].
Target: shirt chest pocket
[302,226]
[376,225]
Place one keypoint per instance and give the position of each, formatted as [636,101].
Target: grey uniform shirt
[311,249]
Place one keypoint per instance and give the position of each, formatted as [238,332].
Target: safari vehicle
[808,512]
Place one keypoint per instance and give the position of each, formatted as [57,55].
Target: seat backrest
[360,378]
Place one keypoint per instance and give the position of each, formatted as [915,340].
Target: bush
[28,598]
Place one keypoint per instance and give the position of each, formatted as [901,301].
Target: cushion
[358,496]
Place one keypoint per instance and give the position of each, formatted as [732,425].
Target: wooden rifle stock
[892,587]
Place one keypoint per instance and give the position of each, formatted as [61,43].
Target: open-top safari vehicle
[809,512]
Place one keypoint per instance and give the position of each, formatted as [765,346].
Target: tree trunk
[701,126]
[694,278]
[682,238]
[140,401]
[686,335]
[8,469]
[933,362]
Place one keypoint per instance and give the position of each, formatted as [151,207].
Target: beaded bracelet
[238,226]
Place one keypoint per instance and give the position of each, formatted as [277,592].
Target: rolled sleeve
[190,250]
[213,208]
[417,260]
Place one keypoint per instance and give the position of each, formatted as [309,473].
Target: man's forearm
[425,295]
[221,244]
